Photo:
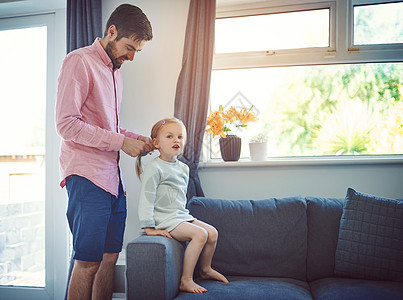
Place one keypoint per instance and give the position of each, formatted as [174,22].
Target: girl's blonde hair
[154,133]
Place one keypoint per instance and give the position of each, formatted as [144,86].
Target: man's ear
[112,32]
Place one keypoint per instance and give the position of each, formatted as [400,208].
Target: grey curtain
[193,87]
[84,23]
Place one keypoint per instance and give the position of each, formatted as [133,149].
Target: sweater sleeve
[151,178]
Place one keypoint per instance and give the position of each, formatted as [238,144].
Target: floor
[118,296]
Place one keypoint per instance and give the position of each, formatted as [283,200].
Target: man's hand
[149,143]
[153,231]
[133,147]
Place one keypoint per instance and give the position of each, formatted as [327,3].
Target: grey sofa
[289,248]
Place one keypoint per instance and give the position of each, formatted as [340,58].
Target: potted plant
[258,146]
[222,123]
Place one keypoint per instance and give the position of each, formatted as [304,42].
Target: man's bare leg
[104,277]
[82,279]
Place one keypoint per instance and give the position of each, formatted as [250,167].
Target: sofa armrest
[153,267]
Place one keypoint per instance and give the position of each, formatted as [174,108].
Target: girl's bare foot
[190,286]
[213,274]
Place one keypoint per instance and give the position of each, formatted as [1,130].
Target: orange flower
[216,123]
[218,120]
[246,116]
[231,115]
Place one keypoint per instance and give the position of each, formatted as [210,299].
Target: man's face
[122,50]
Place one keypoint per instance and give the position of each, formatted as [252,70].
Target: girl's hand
[153,231]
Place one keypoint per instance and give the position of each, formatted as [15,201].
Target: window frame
[288,9]
[390,48]
[341,48]
[56,229]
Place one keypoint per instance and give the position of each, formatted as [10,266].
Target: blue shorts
[97,219]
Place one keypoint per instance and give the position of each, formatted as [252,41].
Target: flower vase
[230,148]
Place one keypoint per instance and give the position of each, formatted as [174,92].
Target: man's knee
[110,258]
[89,268]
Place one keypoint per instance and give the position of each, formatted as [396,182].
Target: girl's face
[170,141]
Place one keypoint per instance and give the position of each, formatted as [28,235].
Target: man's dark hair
[130,22]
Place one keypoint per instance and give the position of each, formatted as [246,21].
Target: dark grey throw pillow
[370,244]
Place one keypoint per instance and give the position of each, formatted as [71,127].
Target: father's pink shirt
[87,117]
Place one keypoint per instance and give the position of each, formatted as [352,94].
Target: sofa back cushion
[257,237]
[323,230]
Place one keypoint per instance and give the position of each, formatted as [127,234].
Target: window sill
[306,161]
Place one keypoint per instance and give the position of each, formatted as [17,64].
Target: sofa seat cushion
[266,238]
[356,289]
[248,288]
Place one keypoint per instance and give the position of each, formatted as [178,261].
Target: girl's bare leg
[197,237]
[206,257]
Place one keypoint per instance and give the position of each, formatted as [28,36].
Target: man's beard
[110,48]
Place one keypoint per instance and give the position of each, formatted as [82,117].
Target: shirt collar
[102,53]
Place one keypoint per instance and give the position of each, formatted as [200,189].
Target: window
[378,24]
[22,125]
[336,91]
[293,30]
[33,229]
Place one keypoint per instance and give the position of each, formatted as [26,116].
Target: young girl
[162,204]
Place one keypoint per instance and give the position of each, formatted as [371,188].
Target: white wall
[149,83]
[324,180]
[149,91]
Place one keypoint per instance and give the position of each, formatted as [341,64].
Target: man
[87,109]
